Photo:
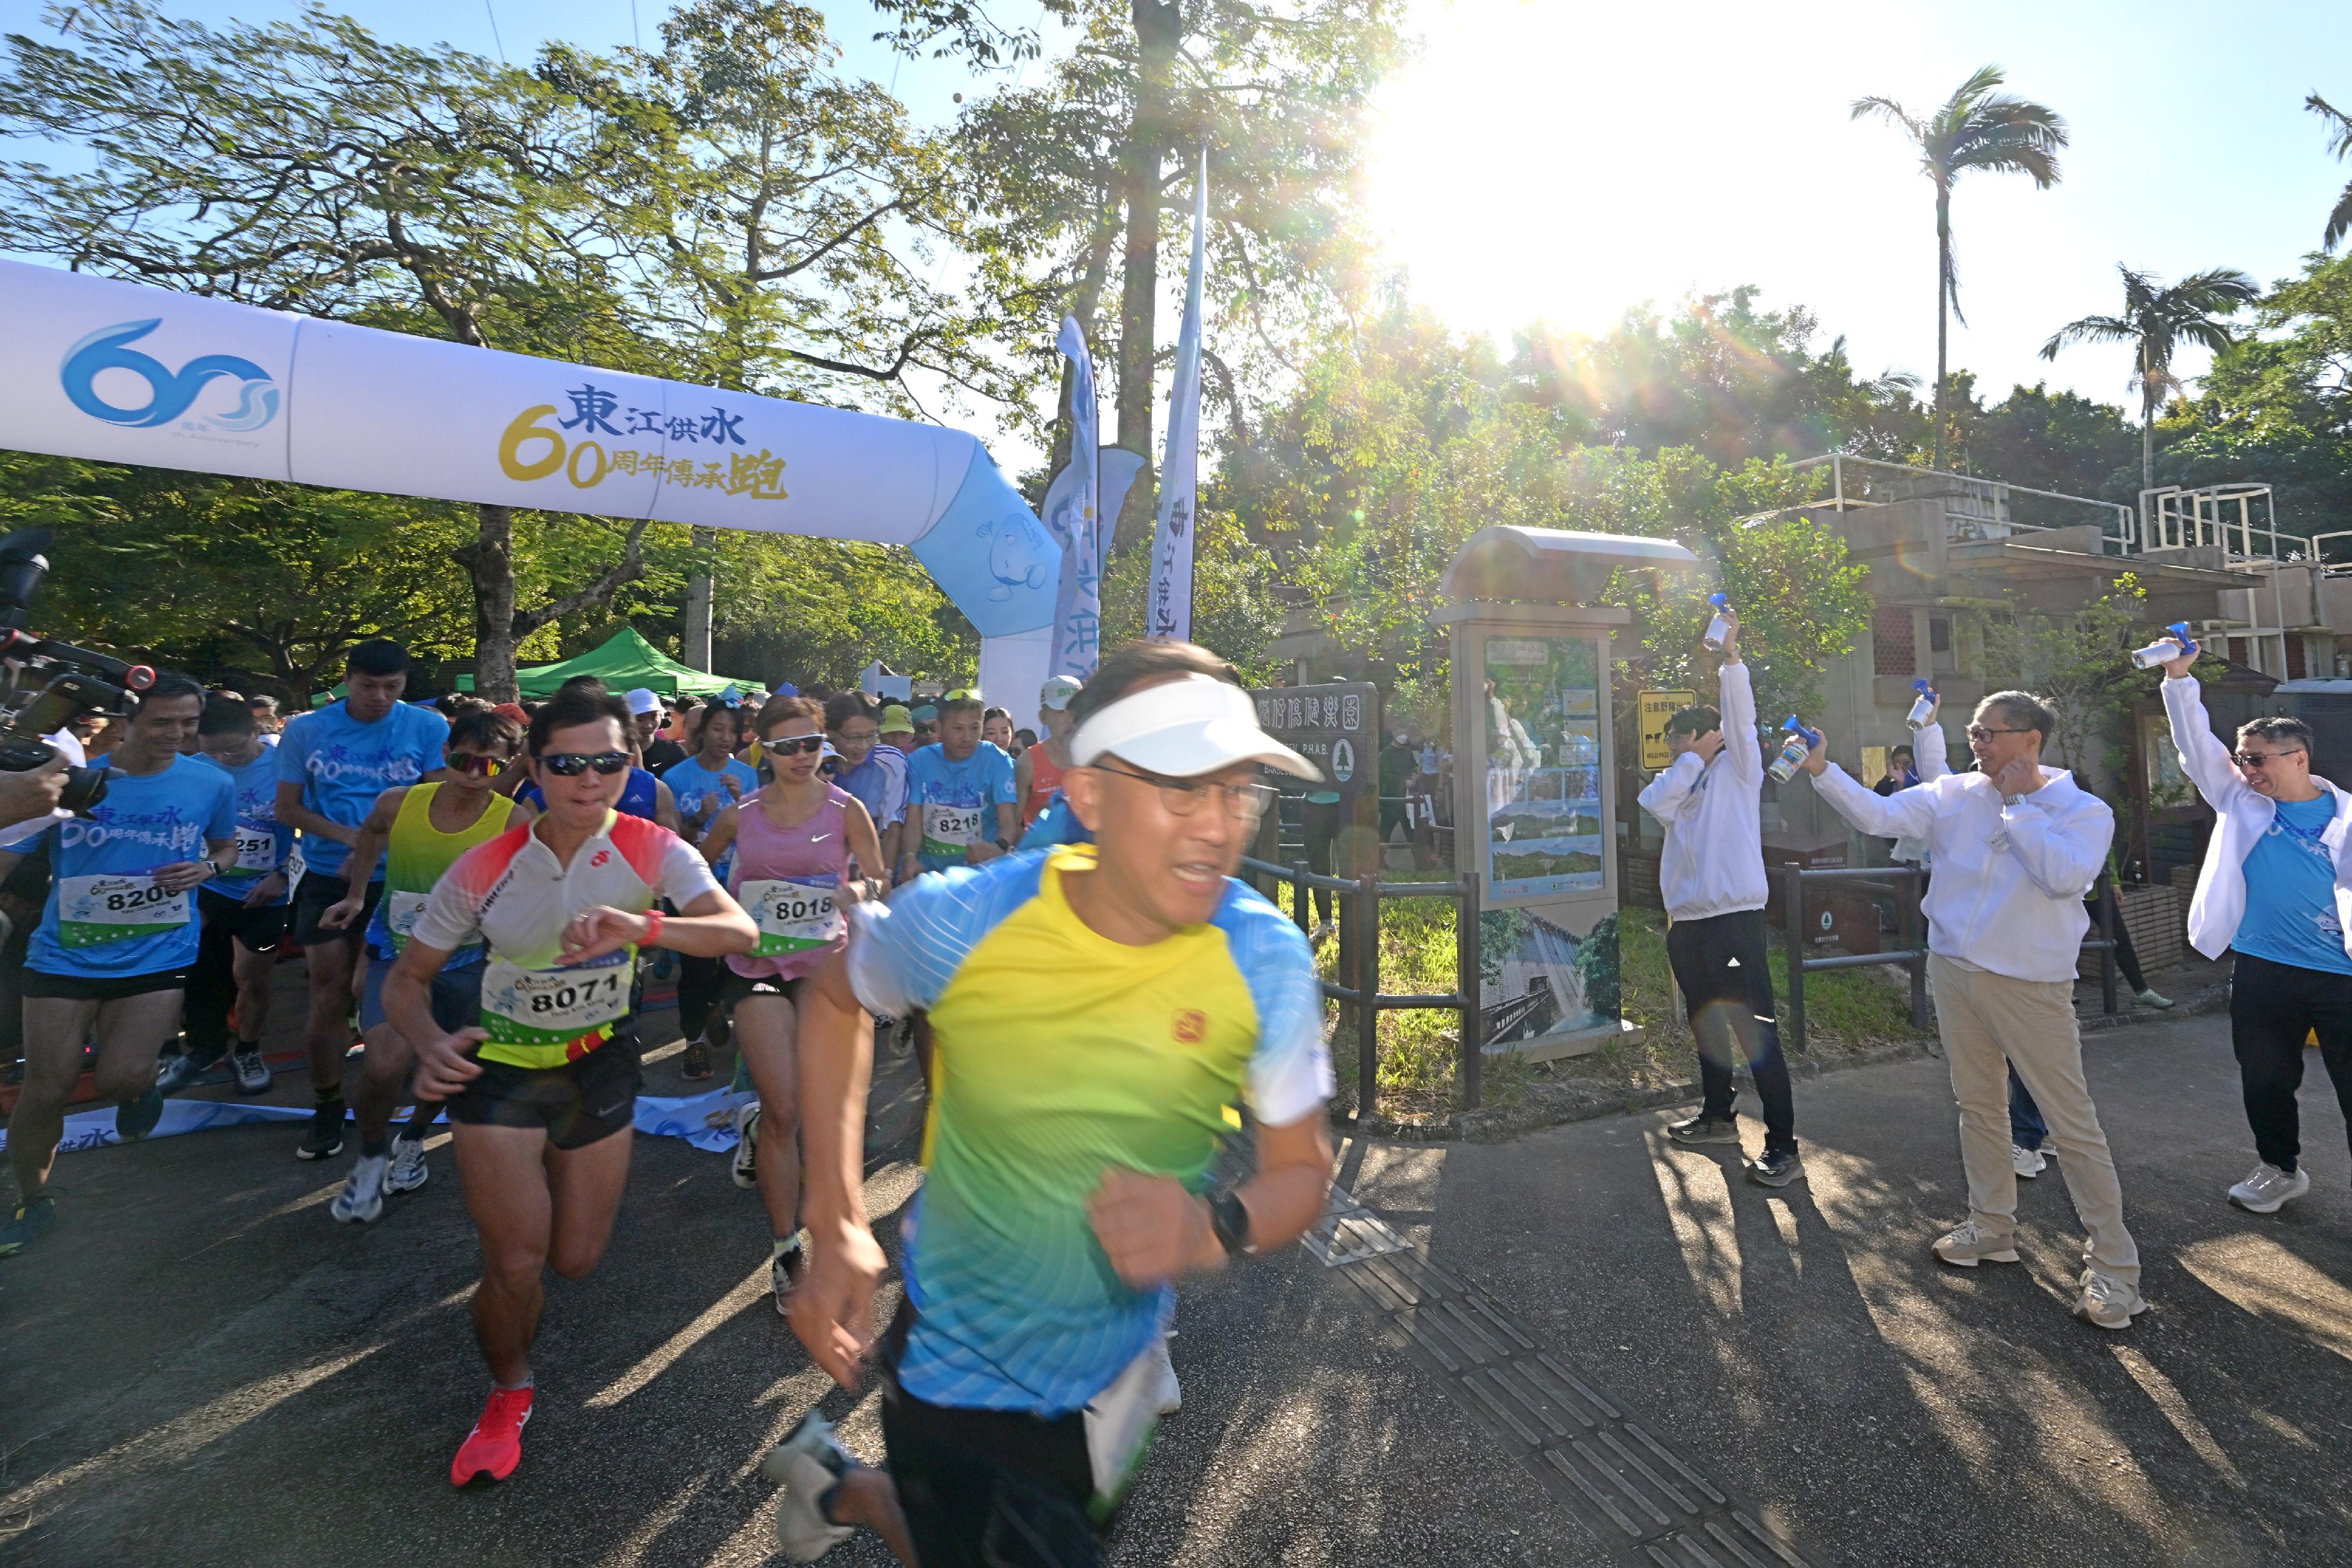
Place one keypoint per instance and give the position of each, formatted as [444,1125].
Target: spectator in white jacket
[2016,846]
[1711,872]
[2277,886]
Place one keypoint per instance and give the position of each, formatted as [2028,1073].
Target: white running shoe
[409,1172]
[2030,1163]
[1166,1397]
[1973,1244]
[808,1465]
[2149,997]
[2107,1302]
[747,1144]
[361,1200]
[2267,1189]
[780,1276]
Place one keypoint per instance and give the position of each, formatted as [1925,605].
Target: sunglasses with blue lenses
[572,764]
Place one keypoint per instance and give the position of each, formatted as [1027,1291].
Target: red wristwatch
[653,927]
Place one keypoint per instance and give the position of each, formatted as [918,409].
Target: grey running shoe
[182,1071]
[2267,1189]
[1705,1129]
[1973,1244]
[2107,1302]
[252,1073]
[2147,997]
[361,1200]
[407,1173]
[2027,1163]
[808,1465]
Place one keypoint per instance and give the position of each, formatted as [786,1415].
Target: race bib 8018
[795,914]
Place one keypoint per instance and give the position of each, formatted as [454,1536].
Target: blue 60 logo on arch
[170,394]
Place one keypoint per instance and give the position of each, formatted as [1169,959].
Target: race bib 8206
[92,910]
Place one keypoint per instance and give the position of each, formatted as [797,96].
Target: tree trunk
[1159,28]
[699,604]
[1943,292]
[489,560]
[2147,423]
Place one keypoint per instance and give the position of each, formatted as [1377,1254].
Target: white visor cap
[1184,728]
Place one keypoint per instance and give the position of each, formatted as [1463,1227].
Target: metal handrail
[1912,953]
[1360,959]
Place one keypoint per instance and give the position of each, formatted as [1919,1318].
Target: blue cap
[2179,629]
[1921,686]
[1719,600]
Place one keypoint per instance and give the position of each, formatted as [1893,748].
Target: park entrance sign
[120,372]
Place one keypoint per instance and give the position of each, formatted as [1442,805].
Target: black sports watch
[1229,1217]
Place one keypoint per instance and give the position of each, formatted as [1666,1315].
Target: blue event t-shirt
[690,784]
[343,764]
[950,801]
[105,917]
[2291,891]
[262,840]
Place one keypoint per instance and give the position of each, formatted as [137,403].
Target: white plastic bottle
[1793,750]
[1718,630]
[2164,649]
[1923,706]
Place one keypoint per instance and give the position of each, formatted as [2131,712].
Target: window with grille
[1895,647]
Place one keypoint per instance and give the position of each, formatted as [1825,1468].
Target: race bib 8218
[951,830]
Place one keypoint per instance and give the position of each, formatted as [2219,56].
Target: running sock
[783,1245]
[528,1382]
[375,1148]
[420,1119]
[327,1097]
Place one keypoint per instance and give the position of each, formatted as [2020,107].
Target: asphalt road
[202,1368]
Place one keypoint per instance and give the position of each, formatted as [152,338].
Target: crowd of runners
[1054,923]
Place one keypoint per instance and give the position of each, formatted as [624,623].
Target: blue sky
[1562,160]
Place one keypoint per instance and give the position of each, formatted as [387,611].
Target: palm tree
[2338,143]
[1977,128]
[2158,321]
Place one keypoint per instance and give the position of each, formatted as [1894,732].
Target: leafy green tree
[2057,441]
[1976,128]
[314,167]
[2339,142]
[2156,322]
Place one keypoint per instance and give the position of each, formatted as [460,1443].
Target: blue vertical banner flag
[1169,603]
[1077,522]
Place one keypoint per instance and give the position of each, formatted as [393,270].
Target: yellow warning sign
[1656,708]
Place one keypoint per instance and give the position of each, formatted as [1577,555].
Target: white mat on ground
[706,1121]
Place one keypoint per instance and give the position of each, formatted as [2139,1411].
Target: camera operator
[116,938]
[25,796]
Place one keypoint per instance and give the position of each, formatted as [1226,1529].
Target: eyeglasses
[2262,759]
[572,764]
[1986,732]
[1244,802]
[790,744]
[474,762]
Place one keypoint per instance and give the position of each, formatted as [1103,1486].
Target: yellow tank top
[418,853]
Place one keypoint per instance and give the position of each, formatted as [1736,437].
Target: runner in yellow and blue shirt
[1097,1009]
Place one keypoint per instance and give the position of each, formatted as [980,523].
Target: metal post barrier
[1360,903]
[1367,986]
[2104,890]
[1796,943]
[1908,894]
[1467,981]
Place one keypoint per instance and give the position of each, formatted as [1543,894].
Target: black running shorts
[576,1105]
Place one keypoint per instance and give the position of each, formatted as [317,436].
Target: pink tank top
[789,880]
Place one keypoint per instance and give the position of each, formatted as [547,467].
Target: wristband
[653,929]
[1229,1217]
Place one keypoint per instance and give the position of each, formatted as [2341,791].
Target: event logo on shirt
[163,830]
[338,762]
[1191,1025]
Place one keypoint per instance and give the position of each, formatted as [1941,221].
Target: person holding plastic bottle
[2277,886]
[2016,846]
[1711,873]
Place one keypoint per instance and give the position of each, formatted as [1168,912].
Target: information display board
[1542,707]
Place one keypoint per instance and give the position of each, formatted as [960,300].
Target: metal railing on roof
[1974,508]
[2216,516]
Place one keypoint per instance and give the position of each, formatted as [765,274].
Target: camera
[74,681]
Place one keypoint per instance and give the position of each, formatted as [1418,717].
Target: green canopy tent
[623,662]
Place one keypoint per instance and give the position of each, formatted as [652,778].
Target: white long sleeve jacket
[2244,816]
[2007,895]
[1713,862]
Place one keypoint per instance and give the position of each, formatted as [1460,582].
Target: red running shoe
[494,1447]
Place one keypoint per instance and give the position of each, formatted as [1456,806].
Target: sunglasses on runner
[474,762]
[572,764]
[787,744]
[2262,759]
